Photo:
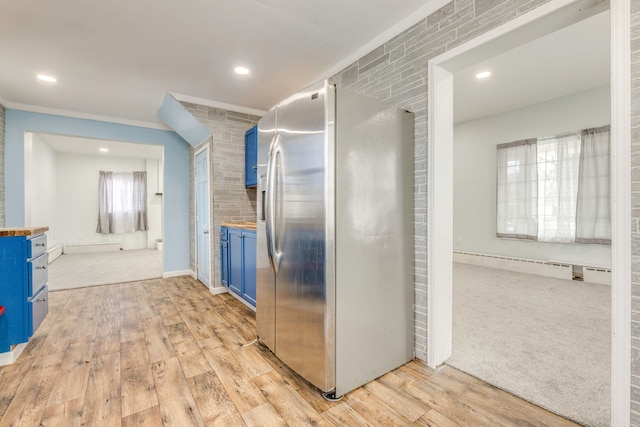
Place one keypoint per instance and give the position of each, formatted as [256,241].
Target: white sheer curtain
[517,198]
[593,214]
[558,168]
[122,202]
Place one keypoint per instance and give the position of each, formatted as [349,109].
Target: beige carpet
[81,270]
[543,339]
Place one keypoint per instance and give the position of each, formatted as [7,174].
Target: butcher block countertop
[22,231]
[245,225]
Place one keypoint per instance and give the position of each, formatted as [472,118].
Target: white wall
[474,199]
[77,202]
[43,193]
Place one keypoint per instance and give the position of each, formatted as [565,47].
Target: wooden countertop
[22,231]
[245,225]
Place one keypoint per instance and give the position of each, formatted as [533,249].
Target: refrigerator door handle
[270,196]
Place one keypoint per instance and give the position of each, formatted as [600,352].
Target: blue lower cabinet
[249,260]
[23,287]
[224,263]
[224,256]
[238,262]
[235,260]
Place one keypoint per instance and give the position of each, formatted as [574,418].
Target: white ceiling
[117,58]
[570,60]
[91,147]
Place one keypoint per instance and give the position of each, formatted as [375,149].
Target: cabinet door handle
[40,244]
[42,267]
[206,231]
[254,167]
[42,299]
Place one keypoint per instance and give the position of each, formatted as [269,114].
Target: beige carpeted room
[104,268]
[546,339]
[66,200]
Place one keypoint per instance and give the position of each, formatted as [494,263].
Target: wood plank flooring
[167,352]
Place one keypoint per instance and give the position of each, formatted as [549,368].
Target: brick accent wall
[231,200]
[2,143]
[396,72]
[635,213]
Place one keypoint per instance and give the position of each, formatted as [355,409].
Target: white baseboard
[543,268]
[219,290]
[239,298]
[558,269]
[599,275]
[177,273]
[53,253]
[88,248]
[9,357]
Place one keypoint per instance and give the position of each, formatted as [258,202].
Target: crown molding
[216,104]
[87,116]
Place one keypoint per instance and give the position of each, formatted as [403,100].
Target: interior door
[202,217]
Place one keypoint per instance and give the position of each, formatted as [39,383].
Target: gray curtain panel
[517,190]
[122,199]
[593,208]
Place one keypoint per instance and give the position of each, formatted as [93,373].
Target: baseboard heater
[87,248]
[557,269]
[53,253]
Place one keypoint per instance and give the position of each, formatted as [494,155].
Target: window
[122,202]
[555,189]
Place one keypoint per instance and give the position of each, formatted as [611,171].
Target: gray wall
[2,139]
[635,212]
[396,72]
[231,200]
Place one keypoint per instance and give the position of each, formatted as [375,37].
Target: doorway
[547,18]
[61,192]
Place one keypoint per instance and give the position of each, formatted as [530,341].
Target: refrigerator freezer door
[265,277]
[304,302]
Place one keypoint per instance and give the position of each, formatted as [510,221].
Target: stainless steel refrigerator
[335,236]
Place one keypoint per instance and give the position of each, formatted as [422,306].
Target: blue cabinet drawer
[38,309]
[38,274]
[36,245]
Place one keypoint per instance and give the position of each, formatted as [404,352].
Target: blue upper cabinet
[251,157]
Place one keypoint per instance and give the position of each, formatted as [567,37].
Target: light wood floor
[167,352]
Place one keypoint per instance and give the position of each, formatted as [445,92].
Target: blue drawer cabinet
[23,285]
[251,157]
[238,262]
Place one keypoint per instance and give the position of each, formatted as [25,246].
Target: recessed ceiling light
[483,75]
[104,150]
[47,78]
[241,70]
